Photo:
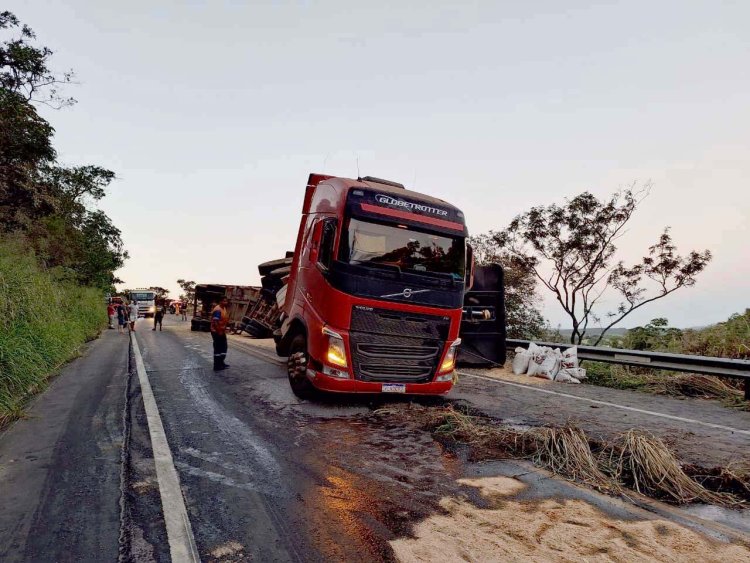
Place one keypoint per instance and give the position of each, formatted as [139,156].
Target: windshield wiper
[380,266]
[437,276]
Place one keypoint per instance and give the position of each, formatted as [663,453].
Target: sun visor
[426,214]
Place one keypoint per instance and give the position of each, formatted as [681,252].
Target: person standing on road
[133,314]
[122,316]
[111,315]
[158,316]
[219,320]
[183,310]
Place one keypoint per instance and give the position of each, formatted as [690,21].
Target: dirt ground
[550,530]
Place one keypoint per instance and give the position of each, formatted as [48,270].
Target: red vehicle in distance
[375,293]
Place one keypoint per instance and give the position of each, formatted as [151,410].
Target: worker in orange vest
[219,321]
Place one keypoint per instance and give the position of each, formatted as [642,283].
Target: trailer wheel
[297,368]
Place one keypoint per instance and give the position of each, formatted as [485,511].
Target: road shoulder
[60,465]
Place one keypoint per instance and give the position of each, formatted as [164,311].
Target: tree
[161,293]
[49,205]
[188,290]
[24,68]
[25,146]
[522,316]
[571,250]
[656,335]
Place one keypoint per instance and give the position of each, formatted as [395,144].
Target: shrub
[44,319]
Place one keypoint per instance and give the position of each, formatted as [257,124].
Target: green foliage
[522,316]
[51,205]
[615,376]
[161,293]
[24,67]
[188,290]
[44,319]
[656,335]
[729,339]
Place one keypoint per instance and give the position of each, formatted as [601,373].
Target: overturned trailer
[241,299]
[263,319]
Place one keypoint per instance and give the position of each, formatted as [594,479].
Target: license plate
[393,388]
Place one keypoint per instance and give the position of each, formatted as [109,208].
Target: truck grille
[370,350]
[391,346]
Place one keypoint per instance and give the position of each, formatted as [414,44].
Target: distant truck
[374,296]
[146,299]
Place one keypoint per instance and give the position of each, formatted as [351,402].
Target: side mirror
[469,281]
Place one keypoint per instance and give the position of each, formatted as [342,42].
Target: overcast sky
[212,114]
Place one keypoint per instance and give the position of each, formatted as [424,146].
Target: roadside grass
[661,382]
[44,319]
[635,460]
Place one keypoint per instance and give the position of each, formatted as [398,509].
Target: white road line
[608,404]
[179,531]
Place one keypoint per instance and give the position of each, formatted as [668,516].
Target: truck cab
[375,292]
[146,300]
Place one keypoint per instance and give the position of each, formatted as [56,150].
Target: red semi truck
[375,292]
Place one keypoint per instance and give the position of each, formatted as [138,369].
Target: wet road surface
[279,479]
[267,477]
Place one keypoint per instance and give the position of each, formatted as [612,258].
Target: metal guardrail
[708,365]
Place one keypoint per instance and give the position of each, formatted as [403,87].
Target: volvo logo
[406,293]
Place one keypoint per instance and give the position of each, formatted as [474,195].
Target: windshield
[142,296]
[375,244]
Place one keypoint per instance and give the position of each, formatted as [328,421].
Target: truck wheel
[297,368]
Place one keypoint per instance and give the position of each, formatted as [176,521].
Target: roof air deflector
[381,181]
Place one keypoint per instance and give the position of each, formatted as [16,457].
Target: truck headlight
[336,352]
[152,309]
[449,362]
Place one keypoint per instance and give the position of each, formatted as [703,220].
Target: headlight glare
[449,362]
[336,353]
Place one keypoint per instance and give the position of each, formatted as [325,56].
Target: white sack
[521,361]
[570,358]
[563,376]
[569,364]
[544,363]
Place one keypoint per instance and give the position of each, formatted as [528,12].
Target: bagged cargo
[521,360]
[569,365]
[570,358]
[564,376]
[544,362]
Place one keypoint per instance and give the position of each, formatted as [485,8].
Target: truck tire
[297,369]
[267,267]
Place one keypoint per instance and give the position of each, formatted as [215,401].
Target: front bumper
[340,385]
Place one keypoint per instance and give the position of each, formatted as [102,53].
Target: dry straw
[634,460]
[647,464]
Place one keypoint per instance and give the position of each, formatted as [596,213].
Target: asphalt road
[284,480]
[263,476]
[60,468]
